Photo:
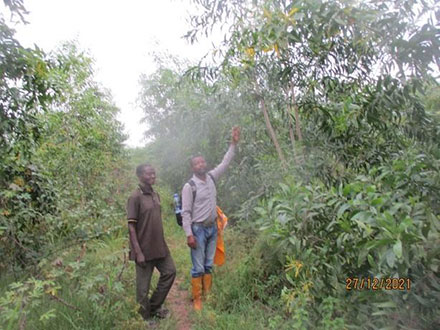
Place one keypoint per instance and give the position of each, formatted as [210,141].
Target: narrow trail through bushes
[180,304]
[179,300]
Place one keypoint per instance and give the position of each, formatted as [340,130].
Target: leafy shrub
[379,225]
[60,147]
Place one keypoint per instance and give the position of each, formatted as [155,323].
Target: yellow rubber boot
[197,292]
[207,284]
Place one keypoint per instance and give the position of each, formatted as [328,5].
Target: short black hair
[140,167]
[192,158]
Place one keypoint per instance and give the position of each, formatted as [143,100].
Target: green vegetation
[340,161]
[338,175]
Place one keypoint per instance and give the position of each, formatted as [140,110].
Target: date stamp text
[374,283]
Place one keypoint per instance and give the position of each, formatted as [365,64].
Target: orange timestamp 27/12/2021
[375,283]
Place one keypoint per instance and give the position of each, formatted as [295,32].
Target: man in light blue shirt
[199,218]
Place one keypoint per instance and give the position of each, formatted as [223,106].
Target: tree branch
[270,128]
[63,302]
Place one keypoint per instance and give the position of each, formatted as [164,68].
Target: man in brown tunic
[147,244]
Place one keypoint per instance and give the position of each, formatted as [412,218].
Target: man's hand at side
[139,256]
[191,241]
[140,259]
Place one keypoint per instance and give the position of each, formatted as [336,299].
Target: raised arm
[222,167]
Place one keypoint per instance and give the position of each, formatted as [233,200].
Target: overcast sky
[120,36]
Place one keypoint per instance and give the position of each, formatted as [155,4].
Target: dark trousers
[167,271]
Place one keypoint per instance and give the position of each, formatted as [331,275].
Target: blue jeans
[202,257]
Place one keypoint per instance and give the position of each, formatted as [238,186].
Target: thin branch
[123,267]
[23,320]
[63,302]
[291,134]
[297,121]
[269,127]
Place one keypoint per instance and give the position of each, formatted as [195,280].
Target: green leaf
[347,189]
[391,258]
[371,261]
[405,224]
[377,202]
[397,249]
[423,301]
[387,304]
[342,209]
[361,257]
[364,216]
[260,210]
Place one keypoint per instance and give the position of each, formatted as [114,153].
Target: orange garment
[220,254]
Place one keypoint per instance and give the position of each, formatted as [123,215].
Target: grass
[235,302]
[94,289]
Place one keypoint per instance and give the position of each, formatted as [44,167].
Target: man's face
[147,175]
[199,165]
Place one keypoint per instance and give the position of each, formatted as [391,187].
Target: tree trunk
[270,128]
[291,133]
[297,121]
[302,154]
[272,133]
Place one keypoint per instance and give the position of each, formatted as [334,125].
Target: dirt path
[178,300]
[180,305]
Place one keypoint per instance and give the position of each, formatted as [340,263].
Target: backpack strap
[212,177]
[193,188]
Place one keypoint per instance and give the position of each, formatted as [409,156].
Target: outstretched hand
[235,134]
